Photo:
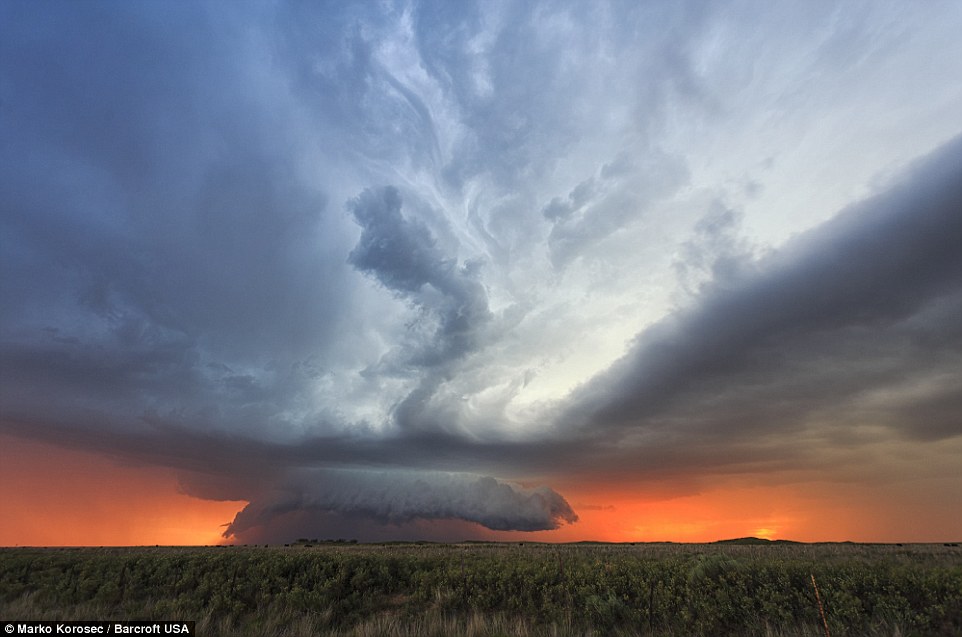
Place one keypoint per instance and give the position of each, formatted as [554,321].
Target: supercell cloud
[399,497]
[415,269]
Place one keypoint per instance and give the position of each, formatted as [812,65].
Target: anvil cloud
[418,269]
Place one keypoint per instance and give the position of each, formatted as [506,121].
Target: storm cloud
[860,291]
[377,269]
[846,333]
[396,498]
[403,255]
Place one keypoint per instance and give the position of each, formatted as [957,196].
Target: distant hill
[754,540]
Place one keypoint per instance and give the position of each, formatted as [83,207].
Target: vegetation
[498,589]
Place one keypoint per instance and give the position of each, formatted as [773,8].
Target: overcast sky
[418,269]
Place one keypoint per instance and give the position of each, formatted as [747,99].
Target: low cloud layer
[397,498]
[373,267]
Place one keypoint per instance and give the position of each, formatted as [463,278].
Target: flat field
[530,589]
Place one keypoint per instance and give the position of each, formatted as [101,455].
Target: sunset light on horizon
[504,271]
[105,503]
[58,497]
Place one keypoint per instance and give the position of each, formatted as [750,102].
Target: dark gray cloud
[403,255]
[399,497]
[717,254]
[849,324]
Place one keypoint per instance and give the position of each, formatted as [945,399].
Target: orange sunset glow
[793,513]
[58,497]
[51,496]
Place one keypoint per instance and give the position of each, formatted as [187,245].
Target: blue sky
[364,265]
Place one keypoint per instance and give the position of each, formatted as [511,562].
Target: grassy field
[498,589]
